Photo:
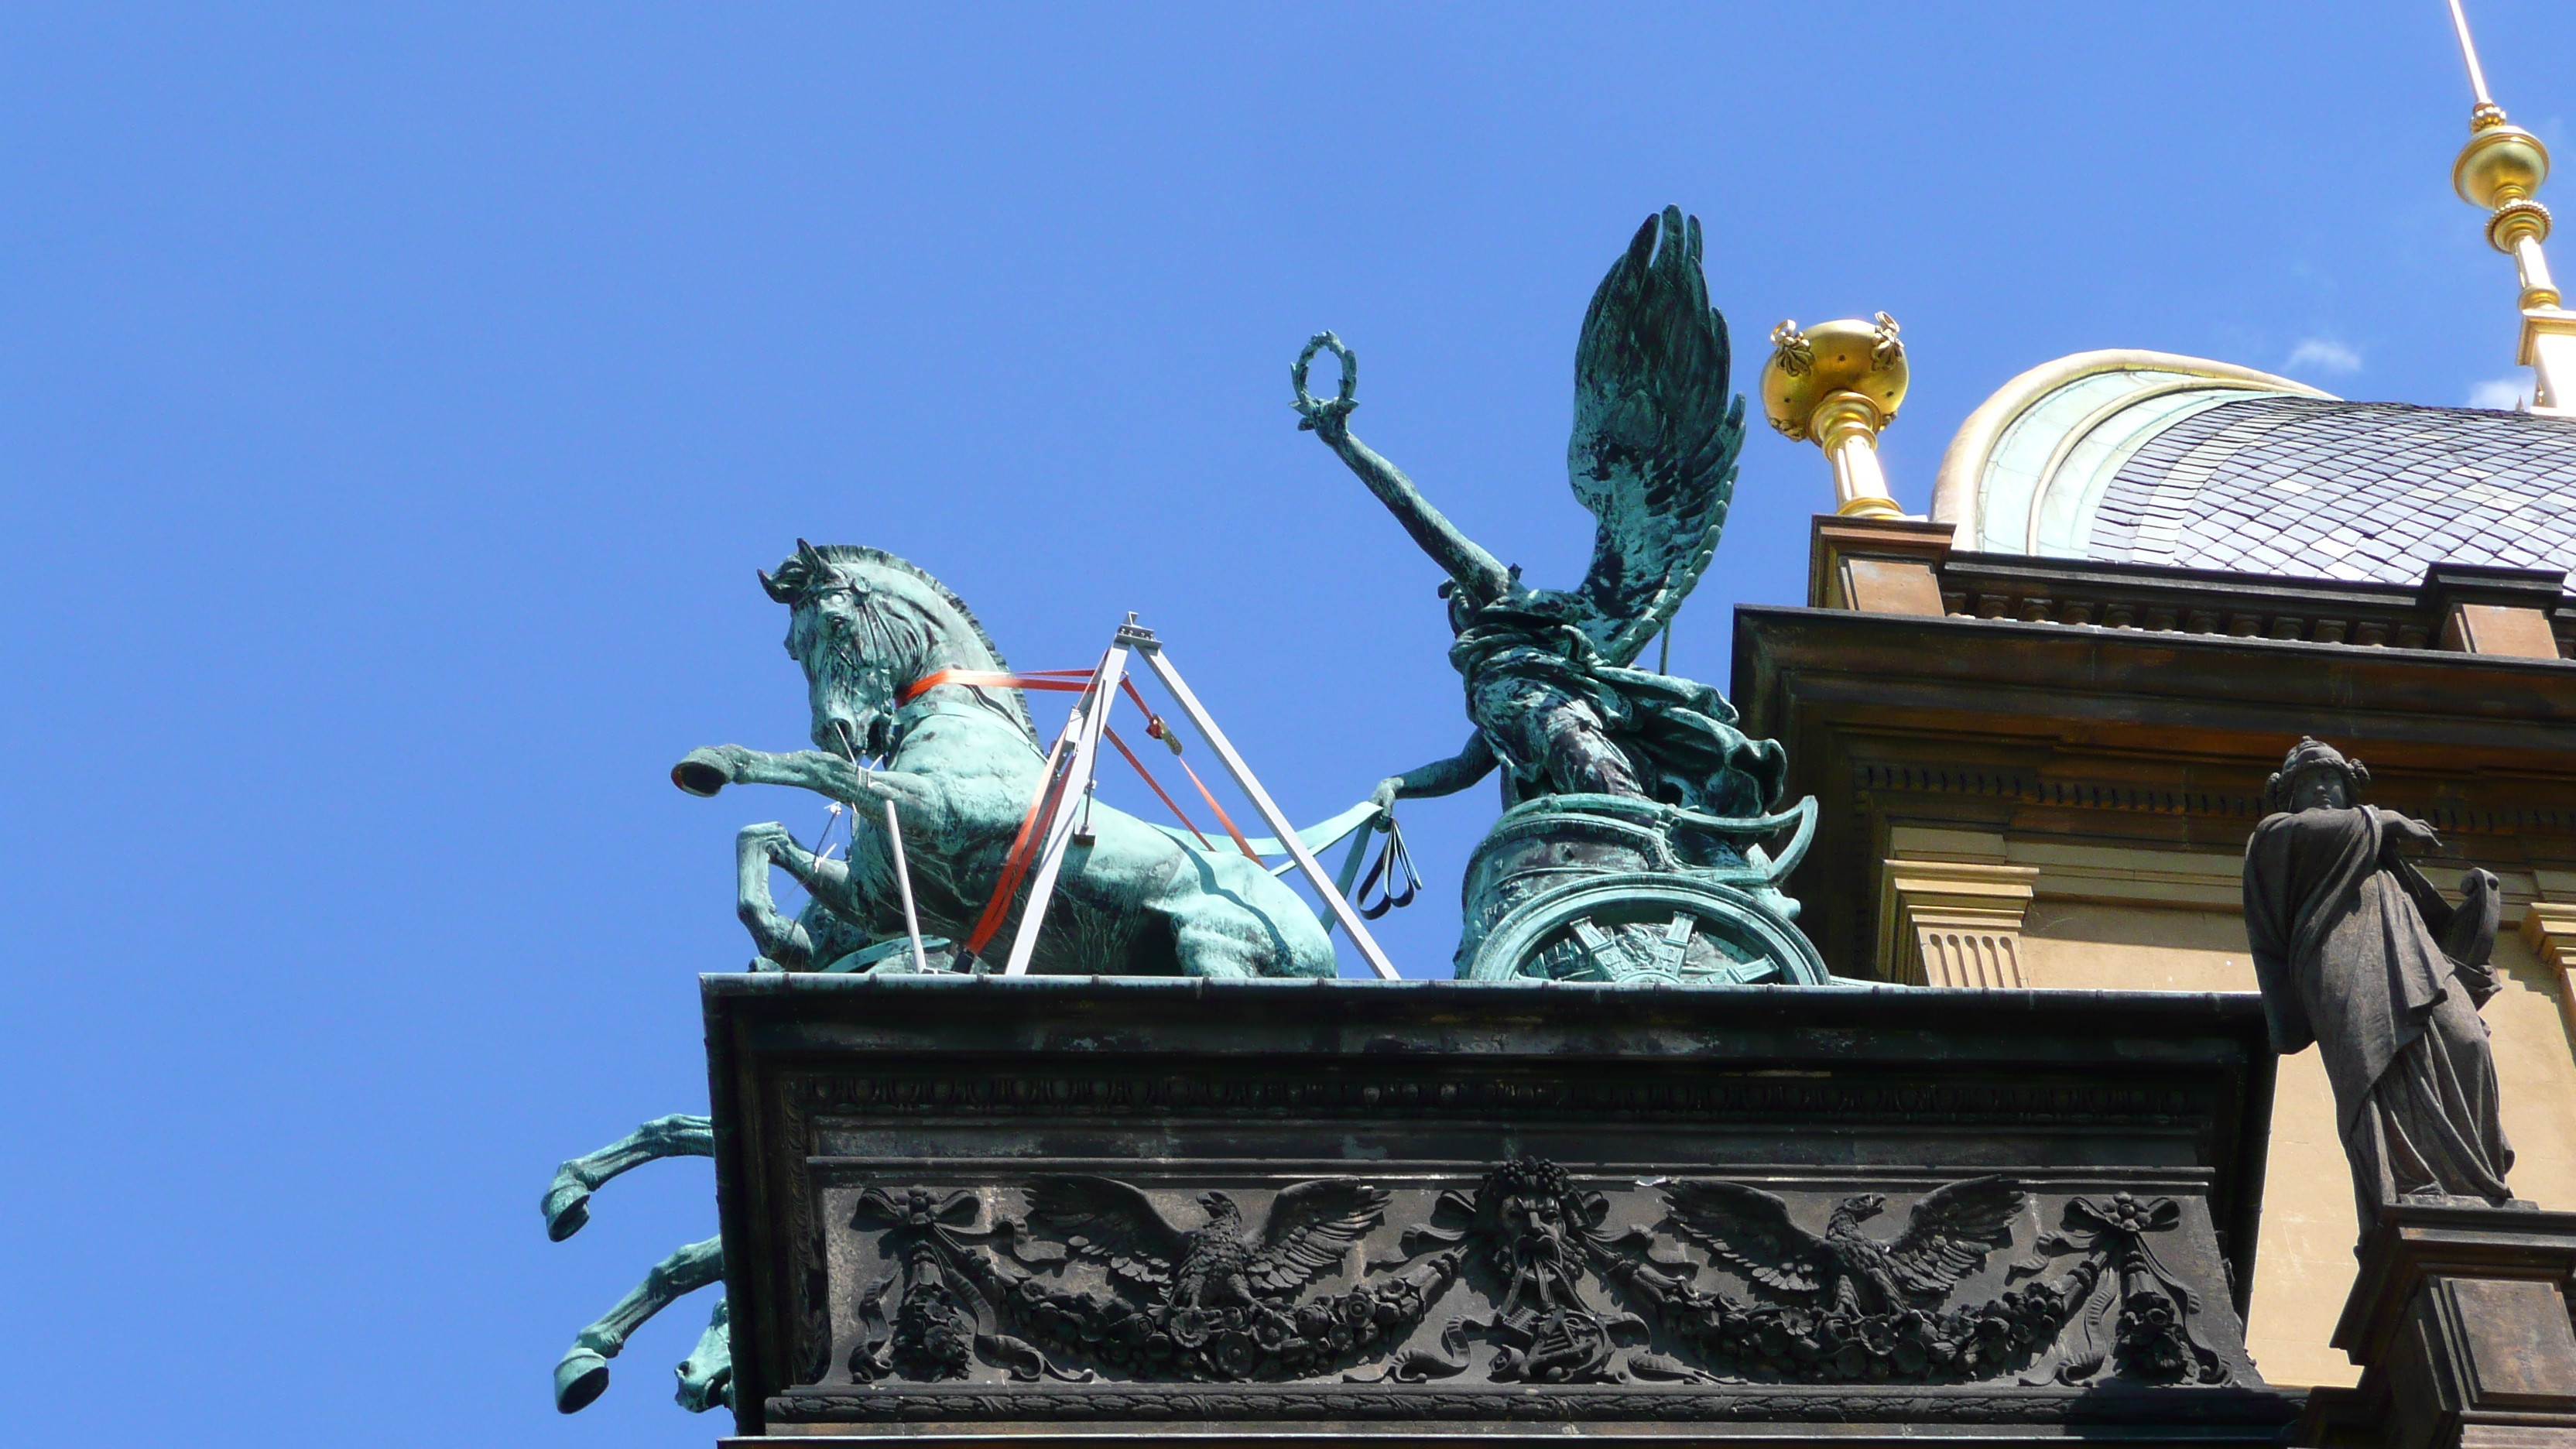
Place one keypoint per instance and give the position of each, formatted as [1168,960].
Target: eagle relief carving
[1224,1263]
[1222,1300]
[1947,1236]
[1846,1305]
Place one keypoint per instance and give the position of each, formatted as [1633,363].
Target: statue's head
[1851,1212]
[864,625]
[1534,1212]
[2315,776]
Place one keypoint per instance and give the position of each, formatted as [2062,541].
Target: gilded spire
[2499,170]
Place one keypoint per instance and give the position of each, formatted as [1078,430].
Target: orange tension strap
[1156,729]
[1071,681]
[1153,722]
[1155,785]
[1221,817]
[1015,866]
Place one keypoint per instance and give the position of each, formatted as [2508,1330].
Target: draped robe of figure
[1657,430]
[2357,953]
[1563,719]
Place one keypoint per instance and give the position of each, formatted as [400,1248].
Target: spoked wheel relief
[1644,928]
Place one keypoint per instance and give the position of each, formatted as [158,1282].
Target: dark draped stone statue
[2359,954]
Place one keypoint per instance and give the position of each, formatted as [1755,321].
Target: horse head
[864,626]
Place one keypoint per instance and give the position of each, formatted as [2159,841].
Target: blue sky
[395,402]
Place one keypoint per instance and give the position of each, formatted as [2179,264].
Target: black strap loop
[1393,862]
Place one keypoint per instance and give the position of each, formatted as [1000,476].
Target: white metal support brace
[1144,643]
[1076,757]
[1090,717]
[903,882]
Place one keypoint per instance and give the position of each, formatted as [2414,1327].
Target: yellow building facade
[2040,715]
[2041,719]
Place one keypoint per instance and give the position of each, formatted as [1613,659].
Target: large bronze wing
[1312,1226]
[1113,1223]
[1748,1230]
[1656,435]
[1952,1230]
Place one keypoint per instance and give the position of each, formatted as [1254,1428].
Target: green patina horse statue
[961,762]
[706,1375]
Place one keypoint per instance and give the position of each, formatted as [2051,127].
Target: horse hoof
[702,772]
[580,1378]
[567,1207]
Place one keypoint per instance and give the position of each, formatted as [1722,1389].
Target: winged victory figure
[1223,1263]
[1948,1236]
[1656,434]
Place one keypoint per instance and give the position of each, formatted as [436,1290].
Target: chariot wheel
[1647,928]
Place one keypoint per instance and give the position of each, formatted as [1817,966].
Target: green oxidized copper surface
[961,762]
[1612,888]
[1629,850]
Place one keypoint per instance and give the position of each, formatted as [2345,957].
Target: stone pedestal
[1876,565]
[2459,1319]
[2495,611]
[977,1210]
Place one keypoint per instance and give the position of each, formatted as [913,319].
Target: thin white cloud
[2325,355]
[2504,393]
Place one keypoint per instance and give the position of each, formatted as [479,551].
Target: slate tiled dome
[2149,458]
[2304,486]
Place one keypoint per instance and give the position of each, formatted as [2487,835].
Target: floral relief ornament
[2130,1312]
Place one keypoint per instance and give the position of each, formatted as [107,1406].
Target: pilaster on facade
[1954,922]
[2549,928]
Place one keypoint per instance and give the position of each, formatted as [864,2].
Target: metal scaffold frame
[1071,769]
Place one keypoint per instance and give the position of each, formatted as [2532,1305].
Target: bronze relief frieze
[1524,1273]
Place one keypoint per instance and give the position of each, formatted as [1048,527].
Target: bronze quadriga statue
[878,638]
[965,1203]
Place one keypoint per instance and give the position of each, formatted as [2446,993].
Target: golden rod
[2469,52]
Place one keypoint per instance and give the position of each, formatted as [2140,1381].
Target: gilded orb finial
[1837,384]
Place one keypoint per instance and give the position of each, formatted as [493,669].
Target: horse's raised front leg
[827,881]
[709,768]
[782,942]
[567,1199]
[583,1374]
[793,945]
[706,1375]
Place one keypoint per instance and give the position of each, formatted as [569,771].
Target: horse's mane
[789,583]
